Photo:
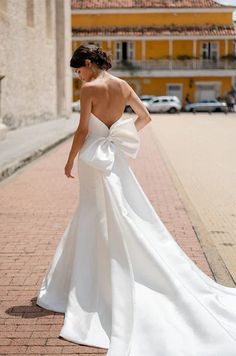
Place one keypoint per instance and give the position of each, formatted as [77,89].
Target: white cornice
[173,74]
[151,37]
[150,10]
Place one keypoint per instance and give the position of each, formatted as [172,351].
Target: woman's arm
[139,108]
[82,130]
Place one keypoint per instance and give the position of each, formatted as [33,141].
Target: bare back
[109,98]
[106,98]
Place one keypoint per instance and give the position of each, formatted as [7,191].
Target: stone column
[60,57]
[63,53]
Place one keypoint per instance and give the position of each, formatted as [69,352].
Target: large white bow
[99,152]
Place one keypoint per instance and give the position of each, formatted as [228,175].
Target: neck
[99,73]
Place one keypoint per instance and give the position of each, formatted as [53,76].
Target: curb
[9,169]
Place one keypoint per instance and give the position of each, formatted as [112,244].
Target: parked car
[169,104]
[76,106]
[207,105]
[147,98]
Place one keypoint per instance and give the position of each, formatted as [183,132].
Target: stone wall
[29,61]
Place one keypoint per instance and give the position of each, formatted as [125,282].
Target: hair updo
[96,54]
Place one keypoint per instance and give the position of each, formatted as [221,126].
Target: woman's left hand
[68,168]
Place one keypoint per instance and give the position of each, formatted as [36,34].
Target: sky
[228,2]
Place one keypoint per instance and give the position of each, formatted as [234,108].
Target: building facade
[35,50]
[162,47]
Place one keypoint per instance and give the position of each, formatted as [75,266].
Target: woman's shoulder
[99,88]
[96,84]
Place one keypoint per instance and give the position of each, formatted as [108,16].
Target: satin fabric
[120,277]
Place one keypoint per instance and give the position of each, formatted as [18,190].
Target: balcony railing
[175,64]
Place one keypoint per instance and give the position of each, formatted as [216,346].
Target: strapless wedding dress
[119,276]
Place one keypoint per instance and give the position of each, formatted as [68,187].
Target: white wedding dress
[119,276]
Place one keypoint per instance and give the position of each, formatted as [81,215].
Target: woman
[103,94]
[118,275]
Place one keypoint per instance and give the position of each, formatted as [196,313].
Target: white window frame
[130,50]
[209,49]
[118,51]
[234,48]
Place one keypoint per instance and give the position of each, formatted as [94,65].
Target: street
[201,149]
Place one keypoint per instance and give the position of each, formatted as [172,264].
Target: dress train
[119,276]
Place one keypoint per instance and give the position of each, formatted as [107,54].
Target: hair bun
[102,59]
[96,54]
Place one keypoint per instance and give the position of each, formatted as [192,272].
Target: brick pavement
[36,205]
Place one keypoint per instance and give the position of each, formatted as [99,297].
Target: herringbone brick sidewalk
[36,205]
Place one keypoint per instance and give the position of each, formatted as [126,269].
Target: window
[118,51]
[209,50]
[173,87]
[206,87]
[234,83]
[130,51]
[30,13]
[124,51]
[176,90]
[95,43]
[234,48]
[48,9]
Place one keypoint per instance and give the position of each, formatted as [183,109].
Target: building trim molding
[173,74]
[145,11]
[151,37]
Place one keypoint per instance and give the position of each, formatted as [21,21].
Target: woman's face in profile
[84,73]
[81,73]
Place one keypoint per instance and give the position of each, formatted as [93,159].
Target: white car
[147,98]
[169,104]
[76,106]
[207,105]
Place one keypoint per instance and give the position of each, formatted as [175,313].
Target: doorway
[124,51]
[175,89]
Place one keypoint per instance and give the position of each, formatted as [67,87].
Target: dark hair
[96,54]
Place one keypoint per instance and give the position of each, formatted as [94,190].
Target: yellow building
[162,47]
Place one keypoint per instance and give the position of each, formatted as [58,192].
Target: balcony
[175,65]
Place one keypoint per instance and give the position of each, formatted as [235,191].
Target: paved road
[201,150]
[36,205]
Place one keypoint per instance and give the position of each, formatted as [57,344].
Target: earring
[93,70]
